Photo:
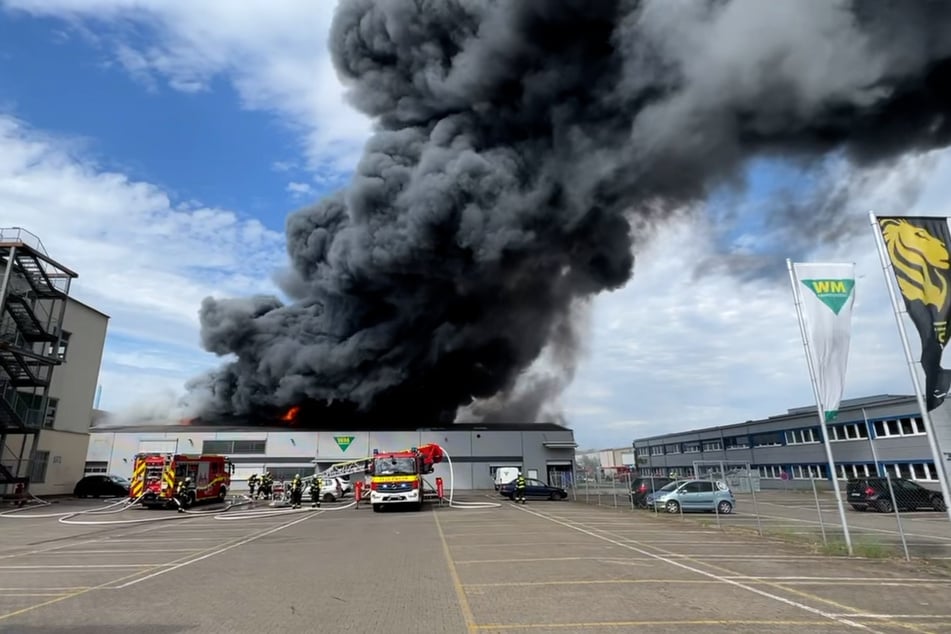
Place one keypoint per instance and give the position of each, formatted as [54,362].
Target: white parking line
[842,620]
[218,551]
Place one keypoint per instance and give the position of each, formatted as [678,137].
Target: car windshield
[670,487]
[394,466]
[119,479]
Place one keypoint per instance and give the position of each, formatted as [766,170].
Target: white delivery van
[504,475]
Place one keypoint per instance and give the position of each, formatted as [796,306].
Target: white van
[504,475]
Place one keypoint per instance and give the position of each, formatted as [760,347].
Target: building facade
[51,349]
[870,435]
[544,451]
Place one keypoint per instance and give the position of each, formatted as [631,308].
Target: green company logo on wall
[343,441]
[832,293]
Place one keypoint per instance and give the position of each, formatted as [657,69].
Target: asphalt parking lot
[542,567]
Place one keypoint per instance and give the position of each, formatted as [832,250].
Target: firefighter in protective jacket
[297,491]
[182,494]
[520,488]
[315,492]
[252,483]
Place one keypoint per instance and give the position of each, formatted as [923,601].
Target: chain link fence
[885,516]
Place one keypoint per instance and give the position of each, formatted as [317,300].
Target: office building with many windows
[870,435]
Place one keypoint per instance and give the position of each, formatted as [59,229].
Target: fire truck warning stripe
[169,478]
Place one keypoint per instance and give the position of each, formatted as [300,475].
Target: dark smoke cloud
[523,151]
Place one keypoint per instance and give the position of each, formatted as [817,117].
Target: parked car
[866,493]
[693,495]
[534,489]
[642,487]
[101,485]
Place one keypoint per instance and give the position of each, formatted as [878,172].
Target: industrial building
[787,450]
[50,353]
[544,450]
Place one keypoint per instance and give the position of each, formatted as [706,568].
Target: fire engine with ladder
[395,477]
[155,477]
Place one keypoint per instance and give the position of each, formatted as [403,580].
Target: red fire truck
[397,476]
[155,477]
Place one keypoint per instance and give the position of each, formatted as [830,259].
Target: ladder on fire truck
[342,469]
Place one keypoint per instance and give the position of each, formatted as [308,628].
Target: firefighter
[315,492]
[181,494]
[252,483]
[264,489]
[297,491]
[520,488]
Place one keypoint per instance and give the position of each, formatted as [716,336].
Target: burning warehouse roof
[523,152]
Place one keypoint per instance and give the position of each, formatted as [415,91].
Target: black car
[642,487]
[101,485]
[534,489]
[872,493]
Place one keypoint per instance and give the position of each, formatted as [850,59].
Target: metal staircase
[33,293]
[7,477]
[27,323]
[21,370]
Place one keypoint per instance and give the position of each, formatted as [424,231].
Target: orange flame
[291,414]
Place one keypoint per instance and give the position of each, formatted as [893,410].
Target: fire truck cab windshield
[394,466]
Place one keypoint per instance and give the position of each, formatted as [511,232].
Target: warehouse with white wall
[544,450]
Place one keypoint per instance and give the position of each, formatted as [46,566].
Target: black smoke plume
[522,151]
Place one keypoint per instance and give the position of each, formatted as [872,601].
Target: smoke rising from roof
[523,151]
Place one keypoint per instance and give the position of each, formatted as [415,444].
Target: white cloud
[141,259]
[273,53]
[299,190]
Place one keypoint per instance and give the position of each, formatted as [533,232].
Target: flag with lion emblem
[918,250]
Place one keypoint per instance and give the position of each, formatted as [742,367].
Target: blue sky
[158,147]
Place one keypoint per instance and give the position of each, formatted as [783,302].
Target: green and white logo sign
[826,313]
[343,441]
[832,293]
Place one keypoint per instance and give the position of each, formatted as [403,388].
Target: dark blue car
[533,489]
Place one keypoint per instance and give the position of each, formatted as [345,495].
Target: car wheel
[222,494]
[724,508]
[858,508]
[885,506]
[937,503]
[329,497]
[377,508]
[672,507]
[555,495]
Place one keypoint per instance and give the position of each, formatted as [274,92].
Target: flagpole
[822,418]
[889,273]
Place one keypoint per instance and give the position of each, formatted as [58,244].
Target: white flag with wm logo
[825,293]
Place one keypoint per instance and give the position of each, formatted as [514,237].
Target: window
[772,439]
[50,419]
[60,351]
[96,467]
[848,431]
[692,447]
[672,449]
[712,445]
[736,442]
[771,471]
[229,447]
[897,427]
[38,467]
[803,436]
[657,450]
